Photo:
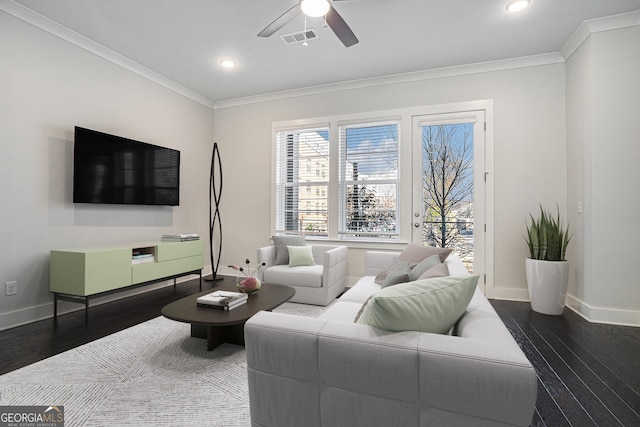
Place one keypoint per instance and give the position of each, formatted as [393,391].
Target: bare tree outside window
[369,180]
[447,170]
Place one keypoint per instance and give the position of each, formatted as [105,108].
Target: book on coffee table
[224,307]
[225,300]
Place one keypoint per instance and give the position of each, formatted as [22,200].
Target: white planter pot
[547,282]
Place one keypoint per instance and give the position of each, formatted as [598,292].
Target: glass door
[448,196]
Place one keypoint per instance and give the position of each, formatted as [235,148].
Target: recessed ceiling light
[517,5]
[228,63]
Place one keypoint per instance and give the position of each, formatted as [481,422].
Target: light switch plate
[11,288]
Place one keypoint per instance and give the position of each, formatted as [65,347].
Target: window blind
[369,180]
[302,178]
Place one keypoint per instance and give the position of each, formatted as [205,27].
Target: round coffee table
[220,326]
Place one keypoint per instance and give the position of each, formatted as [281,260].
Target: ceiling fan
[315,8]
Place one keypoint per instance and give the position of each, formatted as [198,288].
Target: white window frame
[281,183]
[333,210]
[343,182]
[405,208]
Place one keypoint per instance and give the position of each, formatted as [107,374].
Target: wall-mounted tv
[115,170]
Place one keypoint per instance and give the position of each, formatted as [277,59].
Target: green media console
[79,274]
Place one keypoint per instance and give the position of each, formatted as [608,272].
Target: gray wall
[563,132]
[529,136]
[603,130]
[48,86]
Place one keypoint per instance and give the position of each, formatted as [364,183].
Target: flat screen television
[115,170]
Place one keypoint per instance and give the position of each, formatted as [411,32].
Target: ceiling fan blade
[283,20]
[340,28]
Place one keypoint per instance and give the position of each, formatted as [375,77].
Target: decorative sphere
[248,285]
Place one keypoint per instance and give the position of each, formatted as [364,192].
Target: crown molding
[591,26]
[584,30]
[484,67]
[29,16]
[571,45]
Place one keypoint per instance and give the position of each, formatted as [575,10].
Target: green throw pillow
[401,274]
[394,264]
[431,305]
[300,255]
[423,266]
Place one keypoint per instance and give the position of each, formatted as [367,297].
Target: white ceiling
[183,40]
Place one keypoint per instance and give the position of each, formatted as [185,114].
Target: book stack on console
[141,258]
[222,300]
[180,237]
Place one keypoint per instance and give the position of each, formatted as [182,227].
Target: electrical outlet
[11,288]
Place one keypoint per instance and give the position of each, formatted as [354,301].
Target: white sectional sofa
[332,372]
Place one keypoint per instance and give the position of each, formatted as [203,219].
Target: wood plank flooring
[589,374]
[30,343]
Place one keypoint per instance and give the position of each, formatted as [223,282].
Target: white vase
[547,282]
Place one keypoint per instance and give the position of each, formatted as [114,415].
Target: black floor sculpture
[215,192]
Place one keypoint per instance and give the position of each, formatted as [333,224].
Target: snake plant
[547,238]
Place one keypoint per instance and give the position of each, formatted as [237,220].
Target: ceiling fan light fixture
[314,8]
[228,63]
[517,5]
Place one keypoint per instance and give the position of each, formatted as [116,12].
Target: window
[366,179]
[301,212]
[361,204]
[369,180]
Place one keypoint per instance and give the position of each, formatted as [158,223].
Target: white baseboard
[611,316]
[26,315]
[509,294]
[44,311]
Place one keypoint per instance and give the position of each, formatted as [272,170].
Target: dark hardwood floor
[30,343]
[589,374]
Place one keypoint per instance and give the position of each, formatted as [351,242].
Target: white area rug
[152,374]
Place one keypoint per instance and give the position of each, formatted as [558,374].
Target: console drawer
[157,270]
[175,250]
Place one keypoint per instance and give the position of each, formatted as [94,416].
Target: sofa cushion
[309,276]
[432,305]
[281,243]
[395,264]
[456,266]
[416,252]
[363,289]
[402,274]
[343,311]
[300,255]
[439,270]
[423,266]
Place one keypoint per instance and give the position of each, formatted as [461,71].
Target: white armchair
[317,284]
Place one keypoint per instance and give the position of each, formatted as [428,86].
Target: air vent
[299,36]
